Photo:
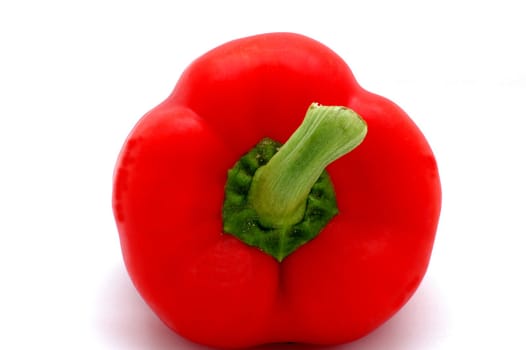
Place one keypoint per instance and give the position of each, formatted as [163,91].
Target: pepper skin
[169,186]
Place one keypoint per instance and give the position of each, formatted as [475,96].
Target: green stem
[278,198]
[279,189]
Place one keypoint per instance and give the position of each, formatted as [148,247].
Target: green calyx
[279,197]
[241,219]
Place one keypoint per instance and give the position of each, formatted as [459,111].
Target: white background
[75,77]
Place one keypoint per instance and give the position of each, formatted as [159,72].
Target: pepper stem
[279,189]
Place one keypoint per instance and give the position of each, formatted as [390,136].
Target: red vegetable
[286,257]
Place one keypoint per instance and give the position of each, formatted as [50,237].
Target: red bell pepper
[234,245]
